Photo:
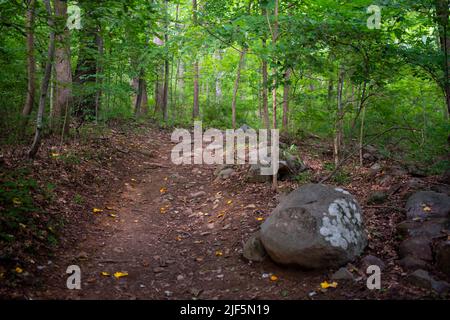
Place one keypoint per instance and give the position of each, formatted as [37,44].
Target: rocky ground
[149,229]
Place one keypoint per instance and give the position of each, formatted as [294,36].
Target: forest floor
[177,232]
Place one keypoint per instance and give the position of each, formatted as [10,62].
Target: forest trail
[177,233]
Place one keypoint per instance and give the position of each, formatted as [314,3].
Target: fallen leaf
[105,274]
[219,253]
[96,210]
[163,190]
[118,275]
[16,201]
[273,278]
[326,285]
[229,201]
[19,270]
[260,219]
[426,209]
[55,155]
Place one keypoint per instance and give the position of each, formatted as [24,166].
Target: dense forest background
[348,71]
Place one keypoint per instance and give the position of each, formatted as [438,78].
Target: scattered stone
[423,228]
[198,194]
[342,274]
[427,204]
[158,270]
[226,173]
[443,257]
[254,174]
[180,277]
[416,247]
[410,263]
[316,226]
[422,279]
[377,197]
[375,168]
[168,293]
[253,249]
[370,260]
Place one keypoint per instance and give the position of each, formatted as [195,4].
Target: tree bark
[442,16]
[63,71]
[45,83]
[286,89]
[236,85]
[339,120]
[274,90]
[196,108]
[31,60]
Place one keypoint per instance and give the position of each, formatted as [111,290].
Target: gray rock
[410,263]
[422,279]
[443,257]
[254,174]
[316,226]
[417,204]
[377,197]
[226,173]
[370,260]
[342,274]
[254,250]
[423,228]
[416,247]
[221,168]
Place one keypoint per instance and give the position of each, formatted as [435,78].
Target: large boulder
[428,204]
[316,226]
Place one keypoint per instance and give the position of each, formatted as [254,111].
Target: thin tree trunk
[286,88]
[63,71]
[140,93]
[98,76]
[339,120]
[236,86]
[361,136]
[274,90]
[31,60]
[196,108]
[45,83]
[442,16]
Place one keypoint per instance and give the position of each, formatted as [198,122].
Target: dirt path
[178,234]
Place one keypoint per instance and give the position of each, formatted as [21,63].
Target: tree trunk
[63,71]
[339,120]
[286,88]
[31,60]
[274,90]
[442,15]
[236,86]
[196,108]
[265,94]
[98,76]
[140,93]
[45,83]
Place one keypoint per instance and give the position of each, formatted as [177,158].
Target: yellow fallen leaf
[273,278]
[260,219]
[55,155]
[118,275]
[19,270]
[219,253]
[229,201]
[109,208]
[162,210]
[96,210]
[132,179]
[165,179]
[163,190]
[178,238]
[112,215]
[326,285]
[220,215]
[16,201]
[105,274]
[426,209]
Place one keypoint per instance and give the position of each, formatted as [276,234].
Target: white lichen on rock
[341,190]
[340,226]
